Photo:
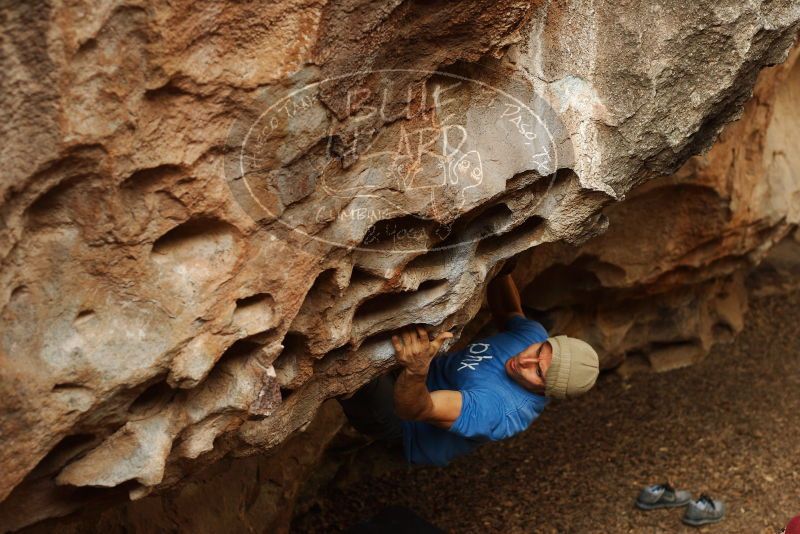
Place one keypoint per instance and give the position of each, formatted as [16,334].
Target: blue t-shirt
[493,407]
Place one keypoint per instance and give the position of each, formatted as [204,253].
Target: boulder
[214,214]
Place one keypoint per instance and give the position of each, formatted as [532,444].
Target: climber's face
[529,367]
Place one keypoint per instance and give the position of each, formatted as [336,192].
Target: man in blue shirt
[446,406]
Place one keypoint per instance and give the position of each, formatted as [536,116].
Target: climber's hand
[508,266]
[414,350]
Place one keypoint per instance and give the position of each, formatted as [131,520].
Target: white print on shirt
[475,357]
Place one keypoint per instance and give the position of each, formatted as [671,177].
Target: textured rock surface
[667,279]
[170,296]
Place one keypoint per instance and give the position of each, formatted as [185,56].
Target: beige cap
[574,368]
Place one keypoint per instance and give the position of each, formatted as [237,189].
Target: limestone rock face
[215,213]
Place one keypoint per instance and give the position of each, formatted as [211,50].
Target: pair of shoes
[703,511]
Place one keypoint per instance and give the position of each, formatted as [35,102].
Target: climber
[443,407]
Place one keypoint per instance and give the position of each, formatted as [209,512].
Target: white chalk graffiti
[378,153]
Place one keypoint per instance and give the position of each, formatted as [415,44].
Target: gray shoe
[662,496]
[703,511]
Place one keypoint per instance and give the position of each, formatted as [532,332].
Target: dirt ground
[727,426]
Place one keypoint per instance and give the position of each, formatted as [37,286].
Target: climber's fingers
[424,340]
[415,344]
[397,344]
[406,336]
[414,347]
[436,344]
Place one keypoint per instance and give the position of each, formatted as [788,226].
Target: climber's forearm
[503,298]
[412,400]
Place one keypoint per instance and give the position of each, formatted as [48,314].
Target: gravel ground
[726,426]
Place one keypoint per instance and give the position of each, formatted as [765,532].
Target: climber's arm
[412,400]
[503,297]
